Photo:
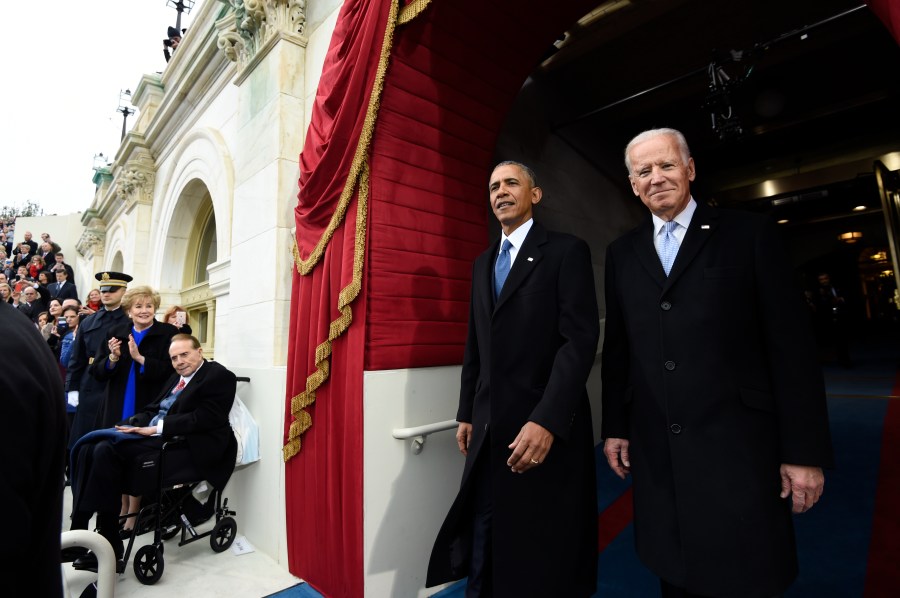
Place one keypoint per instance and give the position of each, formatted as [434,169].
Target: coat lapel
[646,252]
[703,224]
[527,259]
[484,278]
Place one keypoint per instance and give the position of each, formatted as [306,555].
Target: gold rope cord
[359,175]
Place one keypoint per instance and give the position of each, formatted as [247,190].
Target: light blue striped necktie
[668,246]
[501,268]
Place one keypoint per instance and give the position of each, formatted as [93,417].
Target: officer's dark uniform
[92,333]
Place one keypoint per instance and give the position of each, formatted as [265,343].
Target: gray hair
[683,148]
[528,172]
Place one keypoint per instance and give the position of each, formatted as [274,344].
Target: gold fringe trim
[412,10]
[359,174]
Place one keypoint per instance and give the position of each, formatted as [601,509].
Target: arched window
[118,264]
[206,250]
[194,233]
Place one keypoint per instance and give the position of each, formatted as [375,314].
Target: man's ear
[536,194]
[634,188]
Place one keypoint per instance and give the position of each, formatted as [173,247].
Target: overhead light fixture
[783,221]
[859,208]
[850,237]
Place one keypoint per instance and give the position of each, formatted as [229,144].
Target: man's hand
[145,431]
[803,484]
[463,437]
[616,451]
[530,447]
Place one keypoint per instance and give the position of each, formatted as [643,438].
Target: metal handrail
[106,557]
[418,434]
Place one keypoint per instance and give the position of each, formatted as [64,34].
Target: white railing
[418,434]
[106,557]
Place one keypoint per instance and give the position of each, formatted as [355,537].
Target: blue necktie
[668,247]
[501,268]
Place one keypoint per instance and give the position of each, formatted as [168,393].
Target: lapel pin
[531,259]
[704,226]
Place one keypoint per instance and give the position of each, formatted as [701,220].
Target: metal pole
[179,8]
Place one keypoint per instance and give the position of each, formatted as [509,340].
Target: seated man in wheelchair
[195,406]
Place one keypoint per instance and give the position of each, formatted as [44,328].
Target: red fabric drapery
[889,13]
[323,491]
[443,104]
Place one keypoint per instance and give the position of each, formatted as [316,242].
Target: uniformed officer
[83,391]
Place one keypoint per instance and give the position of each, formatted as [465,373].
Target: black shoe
[88,562]
[73,552]
[125,533]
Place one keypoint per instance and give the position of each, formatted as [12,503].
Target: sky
[62,74]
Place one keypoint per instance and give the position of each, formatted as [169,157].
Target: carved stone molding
[135,179]
[254,22]
[91,243]
[135,185]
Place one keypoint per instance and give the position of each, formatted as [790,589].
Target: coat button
[670,365]
[665,305]
[675,429]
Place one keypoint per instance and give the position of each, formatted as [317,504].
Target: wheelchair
[166,484]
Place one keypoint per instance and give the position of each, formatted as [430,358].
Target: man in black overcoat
[195,404]
[525,520]
[31,462]
[712,397]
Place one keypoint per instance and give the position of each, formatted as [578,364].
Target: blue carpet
[301,590]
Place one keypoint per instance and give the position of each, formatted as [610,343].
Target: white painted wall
[64,230]
[406,496]
[256,491]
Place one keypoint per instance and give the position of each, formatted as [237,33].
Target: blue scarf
[131,387]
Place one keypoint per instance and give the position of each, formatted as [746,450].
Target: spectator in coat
[63,288]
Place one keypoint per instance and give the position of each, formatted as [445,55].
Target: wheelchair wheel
[223,534]
[149,564]
[170,531]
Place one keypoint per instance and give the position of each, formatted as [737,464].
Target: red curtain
[450,83]
[889,13]
[454,74]
[323,490]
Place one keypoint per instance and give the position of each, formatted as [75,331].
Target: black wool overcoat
[712,376]
[527,358]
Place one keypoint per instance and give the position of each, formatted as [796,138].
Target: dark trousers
[99,482]
[101,470]
[670,591]
[480,582]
